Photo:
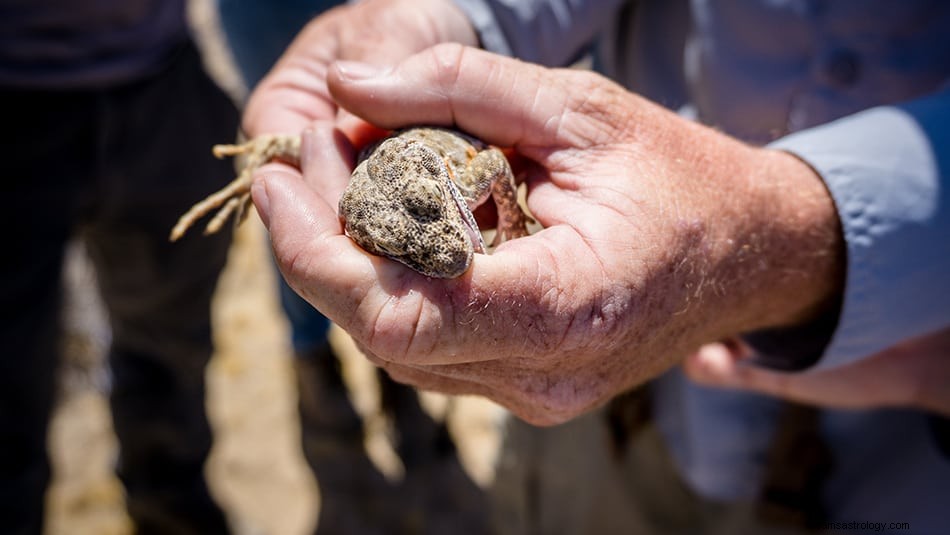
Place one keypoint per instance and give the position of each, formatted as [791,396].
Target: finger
[504,101]
[711,364]
[357,130]
[420,378]
[306,236]
[905,375]
[327,159]
[724,365]
[431,378]
[719,365]
[426,379]
[540,397]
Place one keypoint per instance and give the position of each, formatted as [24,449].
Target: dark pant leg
[44,147]
[28,331]
[157,162]
[354,495]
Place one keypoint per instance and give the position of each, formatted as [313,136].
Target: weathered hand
[915,373]
[660,235]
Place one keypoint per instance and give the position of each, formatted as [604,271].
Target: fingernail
[261,200]
[357,70]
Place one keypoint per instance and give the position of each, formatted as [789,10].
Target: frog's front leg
[236,196]
[490,173]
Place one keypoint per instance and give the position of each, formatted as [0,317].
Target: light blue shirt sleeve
[887,169]
[548,32]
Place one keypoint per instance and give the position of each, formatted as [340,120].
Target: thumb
[503,101]
[292,212]
[318,261]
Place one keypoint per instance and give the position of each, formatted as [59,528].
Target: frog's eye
[423,199]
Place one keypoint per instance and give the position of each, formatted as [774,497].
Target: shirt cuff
[886,169]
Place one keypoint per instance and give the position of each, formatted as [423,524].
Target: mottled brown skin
[410,198]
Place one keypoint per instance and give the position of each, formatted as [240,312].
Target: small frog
[410,198]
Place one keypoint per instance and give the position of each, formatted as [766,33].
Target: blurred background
[256,469]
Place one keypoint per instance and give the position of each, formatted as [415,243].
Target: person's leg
[46,142]
[354,495]
[436,486]
[419,439]
[156,163]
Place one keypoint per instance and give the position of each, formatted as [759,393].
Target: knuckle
[446,61]
[592,90]
[590,111]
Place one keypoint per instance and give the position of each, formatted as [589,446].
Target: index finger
[501,100]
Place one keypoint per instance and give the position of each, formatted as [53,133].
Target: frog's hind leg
[512,219]
[236,196]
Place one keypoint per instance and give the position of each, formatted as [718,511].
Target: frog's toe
[234,196]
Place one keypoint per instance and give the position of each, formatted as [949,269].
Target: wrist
[788,249]
[772,246]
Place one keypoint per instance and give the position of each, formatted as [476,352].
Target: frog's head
[402,204]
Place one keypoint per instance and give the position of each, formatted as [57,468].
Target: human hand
[660,235]
[915,373]
[378,32]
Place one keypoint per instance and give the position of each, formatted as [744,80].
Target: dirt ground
[256,469]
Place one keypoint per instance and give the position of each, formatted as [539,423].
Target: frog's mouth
[471,226]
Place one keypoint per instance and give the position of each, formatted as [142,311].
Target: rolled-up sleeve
[887,170]
[549,32]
